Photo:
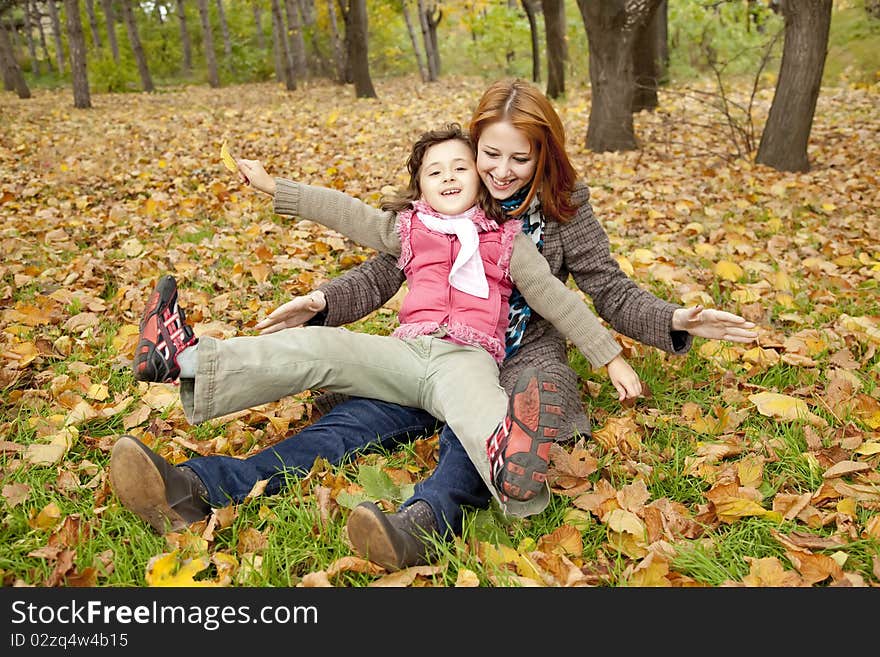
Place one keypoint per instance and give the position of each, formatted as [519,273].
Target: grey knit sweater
[579,248]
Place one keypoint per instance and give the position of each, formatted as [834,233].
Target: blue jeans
[353,426]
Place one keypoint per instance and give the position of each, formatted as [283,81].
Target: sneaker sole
[369,537]
[148,364]
[140,487]
[531,435]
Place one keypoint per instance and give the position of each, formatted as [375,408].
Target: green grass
[300,542]
[721,555]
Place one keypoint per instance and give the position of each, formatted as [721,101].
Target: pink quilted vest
[432,303]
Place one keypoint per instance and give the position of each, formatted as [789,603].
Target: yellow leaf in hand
[227,158]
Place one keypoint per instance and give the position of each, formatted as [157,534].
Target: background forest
[482,37]
[742,466]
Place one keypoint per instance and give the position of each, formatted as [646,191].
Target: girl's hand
[252,173]
[713,324]
[624,378]
[295,312]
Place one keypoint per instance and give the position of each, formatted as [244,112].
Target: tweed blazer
[579,248]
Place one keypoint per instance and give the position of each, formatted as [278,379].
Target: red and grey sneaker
[519,449]
[164,334]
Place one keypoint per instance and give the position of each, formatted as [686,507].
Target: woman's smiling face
[505,159]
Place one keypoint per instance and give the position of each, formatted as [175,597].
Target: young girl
[461,264]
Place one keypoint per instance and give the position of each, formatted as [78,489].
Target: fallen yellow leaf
[732,508]
[55,450]
[47,517]
[98,391]
[466,579]
[168,570]
[773,404]
[623,521]
[728,270]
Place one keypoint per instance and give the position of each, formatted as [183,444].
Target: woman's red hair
[529,111]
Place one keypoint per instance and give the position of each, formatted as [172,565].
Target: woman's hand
[295,312]
[253,173]
[713,324]
[624,378]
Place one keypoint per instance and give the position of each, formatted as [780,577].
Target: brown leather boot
[393,540]
[166,496]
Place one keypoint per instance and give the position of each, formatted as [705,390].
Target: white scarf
[467,273]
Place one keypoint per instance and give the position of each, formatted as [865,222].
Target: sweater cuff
[603,351]
[335,300]
[320,319]
[681,341]
[286,200]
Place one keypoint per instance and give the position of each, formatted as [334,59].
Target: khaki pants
[456,384]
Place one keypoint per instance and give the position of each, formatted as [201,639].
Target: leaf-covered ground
[749,465]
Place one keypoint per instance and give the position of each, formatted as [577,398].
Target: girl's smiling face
[448,178]
[505,159]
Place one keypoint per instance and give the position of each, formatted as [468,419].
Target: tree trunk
[278,50]
[208,43]
[110,19]
[13,26]
[56,32]
[426,40]
[423,71]
[356,29]
[433,16]
[224,30]
[136,47]
[13,78]
[307,11]
[29,31]
[554,28]
[297,42]
[787,132]
[8,63]
[650,54]
[283,46]
[258,22]
[319,64]
[611,28]
[345,11]
[43,45]
[536,48]
[338,50]
[76,42]
[429,39]
[185,42]
[93,23]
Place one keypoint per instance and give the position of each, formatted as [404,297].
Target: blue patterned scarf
[533,226]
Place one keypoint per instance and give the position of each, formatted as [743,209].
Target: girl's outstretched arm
[361,223]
